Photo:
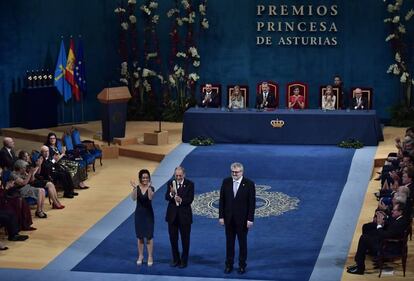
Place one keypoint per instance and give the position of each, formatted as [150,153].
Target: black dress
[144,215]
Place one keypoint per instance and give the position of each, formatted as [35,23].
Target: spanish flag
[70,67]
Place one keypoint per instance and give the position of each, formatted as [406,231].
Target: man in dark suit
[370,241]
[236,212]
[210,98]
[265,99]
[7,154]
[180,195]
[359,102]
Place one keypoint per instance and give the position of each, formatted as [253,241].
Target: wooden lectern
[114,112]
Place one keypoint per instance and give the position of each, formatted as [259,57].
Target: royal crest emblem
[267,203]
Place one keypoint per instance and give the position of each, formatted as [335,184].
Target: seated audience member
[296,101]
[210,98]
[9,220]
[38,181]
[359,102]
[265,99]
[370,241]
[329,99]
[51,170]
[78,176]
[7,154]
[236,99]
[22,180]
[338,83]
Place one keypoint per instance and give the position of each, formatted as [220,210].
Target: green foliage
[174,111]
[351,143]
[402,116]
[201,141]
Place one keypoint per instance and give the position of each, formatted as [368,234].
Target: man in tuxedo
[359,102]
[180,195]
[210,98]
[236,212]
[265,99]
[7,154]
[338,83]
[370,241]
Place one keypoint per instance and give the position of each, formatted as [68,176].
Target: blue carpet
[281,247]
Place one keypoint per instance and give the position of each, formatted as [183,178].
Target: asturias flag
[60,82]
[70,67]
[80,75]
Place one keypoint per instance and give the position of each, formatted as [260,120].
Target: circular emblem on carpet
[267,203]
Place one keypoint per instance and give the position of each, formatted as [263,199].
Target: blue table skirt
[311,126]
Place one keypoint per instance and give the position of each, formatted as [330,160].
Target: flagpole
[73,111]
[63,97]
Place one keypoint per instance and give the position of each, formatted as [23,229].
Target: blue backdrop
[31,30]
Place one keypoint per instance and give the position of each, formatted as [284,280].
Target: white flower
[191,17]
[123,80]
[196,63]
[171,80]
[193,51]
[185,4]
[151,55]
[181,54]
[202,9]
[390,68]
[397,57]
[389,37]
[147,86]
[205,24]
[153,5]
[124,68]
[184,19]
[161,78]
[396,19]
[401,28]
[390,8]
[193,76]
[137,83]
[179,22]
[124,25]
[155,18]
[119,10]
[179,72]
[396,70]
[147,72]
[132,1]
[387,20]
[404,77]
[136,74]
[175,67]
[145,10]
[132,19]
[409,15]
[171,12]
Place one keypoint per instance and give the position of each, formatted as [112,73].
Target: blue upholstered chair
[89,145]
[78,153]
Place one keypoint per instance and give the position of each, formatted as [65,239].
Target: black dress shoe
[351,266]
[182,265]
[356,270]
[228,269]
[18,237]
[75,193]
[68,195]
[241,270]
[4,248]
[174,263]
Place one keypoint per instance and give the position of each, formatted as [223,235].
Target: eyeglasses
[236,172]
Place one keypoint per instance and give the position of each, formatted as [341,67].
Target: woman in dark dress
[144,214]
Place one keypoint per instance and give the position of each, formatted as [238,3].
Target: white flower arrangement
[151,55]
[193,76]
[204,23]
[409,14]
[389,37]
[185,3]
[202,9]
[124,25]
[181,55]
[132,19]
[193,51]
[146,10]
[155,19]
[119,10]
[153,5]
[196,63]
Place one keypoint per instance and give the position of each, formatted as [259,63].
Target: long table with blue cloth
[282,126]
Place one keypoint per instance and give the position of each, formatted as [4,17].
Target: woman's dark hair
[143,172]
[22,153]
[51,134]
